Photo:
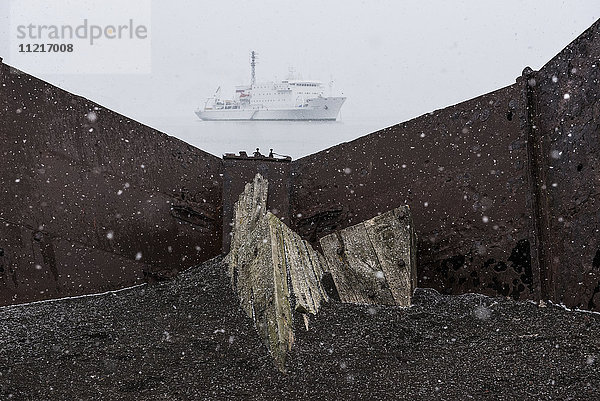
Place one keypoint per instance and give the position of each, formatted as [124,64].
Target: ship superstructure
[290,99]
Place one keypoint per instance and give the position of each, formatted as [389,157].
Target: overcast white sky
[401,58]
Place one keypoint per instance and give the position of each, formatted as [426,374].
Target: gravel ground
[187,339]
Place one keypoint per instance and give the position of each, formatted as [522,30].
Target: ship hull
[319,109]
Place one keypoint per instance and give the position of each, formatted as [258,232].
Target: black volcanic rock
[187,339]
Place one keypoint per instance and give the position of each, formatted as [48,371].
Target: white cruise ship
[290,99]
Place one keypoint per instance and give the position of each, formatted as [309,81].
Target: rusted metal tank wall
[503,189]
[565,96]
[92,201]
[464,172]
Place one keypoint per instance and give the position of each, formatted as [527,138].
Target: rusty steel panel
[111,201]
[35,265]
[464,172]
[503,190]
[566,103]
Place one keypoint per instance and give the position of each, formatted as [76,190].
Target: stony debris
[374,262]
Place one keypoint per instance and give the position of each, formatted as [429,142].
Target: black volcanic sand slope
[188,339]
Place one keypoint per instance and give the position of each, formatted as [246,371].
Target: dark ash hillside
[188,339]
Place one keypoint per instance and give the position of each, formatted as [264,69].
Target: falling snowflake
[91,116]
[482,313]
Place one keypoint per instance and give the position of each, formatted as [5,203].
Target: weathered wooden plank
[374,262]
[273,271]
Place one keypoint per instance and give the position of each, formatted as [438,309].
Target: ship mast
[253,55]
